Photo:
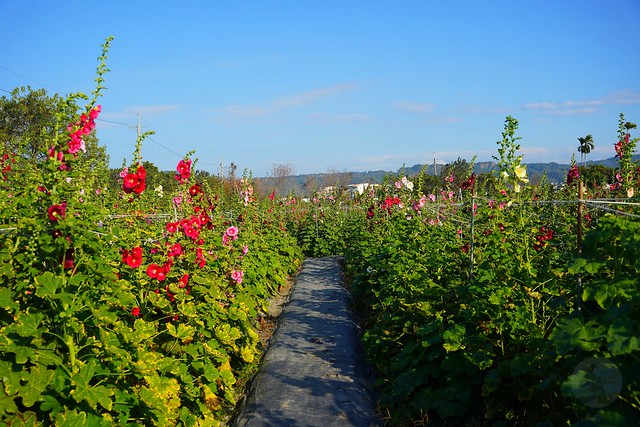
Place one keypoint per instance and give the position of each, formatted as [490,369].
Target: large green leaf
[572,334]
[454,338]
[28,325]
[37,380]
[91,394]
[47,285]
[623,337]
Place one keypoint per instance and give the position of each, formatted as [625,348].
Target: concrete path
[312,373]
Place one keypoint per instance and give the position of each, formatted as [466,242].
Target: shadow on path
[312,373]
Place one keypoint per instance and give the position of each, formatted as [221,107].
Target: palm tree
[586,145]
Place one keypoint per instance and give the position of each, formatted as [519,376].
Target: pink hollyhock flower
[232,232]
[236,276]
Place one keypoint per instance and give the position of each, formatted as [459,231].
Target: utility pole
[434,165]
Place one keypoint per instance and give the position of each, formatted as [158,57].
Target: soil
[267,322]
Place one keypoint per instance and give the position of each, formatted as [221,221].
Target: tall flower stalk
[625,149]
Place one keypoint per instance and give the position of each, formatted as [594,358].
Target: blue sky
[336,85]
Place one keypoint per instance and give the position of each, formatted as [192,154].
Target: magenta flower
[236,276]
[232,232]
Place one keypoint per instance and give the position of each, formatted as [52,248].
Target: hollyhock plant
[573,175]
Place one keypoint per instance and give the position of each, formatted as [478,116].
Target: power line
[25,77]
[116,123]
[172,151]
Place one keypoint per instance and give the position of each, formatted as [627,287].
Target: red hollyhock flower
[195,189]
[140,187]
[141,173]
[183,170]
[129,182]
[184,281]
[172,227]
[175,250]
[132,258]
[56,212]
[155,271]
[135,311]
[68,259]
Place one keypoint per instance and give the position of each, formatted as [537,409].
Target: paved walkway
[312,373]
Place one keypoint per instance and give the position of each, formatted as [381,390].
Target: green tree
[586,145]
[30,119]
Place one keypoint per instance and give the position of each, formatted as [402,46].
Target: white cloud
[566,106]
[145,111]
[151,110]
[414,107]
[624,97]
[291,101]
[571,107]
[322,118]
[440,120]
[243,110]
[304,98]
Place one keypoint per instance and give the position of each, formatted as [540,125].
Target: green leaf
[24,353]
[572,334]
[10,378]
[71,418]
[47,285]
[182,332]
[622,337]
[27,325]
[47,357]
[37,380]
[144,330]
[454,337]
[6,300]
[91,394]
[7,403]
[50,404]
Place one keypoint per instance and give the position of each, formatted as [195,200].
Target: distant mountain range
[555,172]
